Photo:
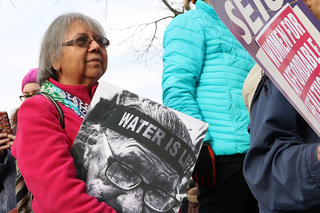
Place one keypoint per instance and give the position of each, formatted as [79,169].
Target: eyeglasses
[85,41]
[25,97]
[125,178]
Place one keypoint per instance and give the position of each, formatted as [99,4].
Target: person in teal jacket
[204,68]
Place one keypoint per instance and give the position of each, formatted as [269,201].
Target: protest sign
[283,38]
[135,154]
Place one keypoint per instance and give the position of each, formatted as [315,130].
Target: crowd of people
[265,159]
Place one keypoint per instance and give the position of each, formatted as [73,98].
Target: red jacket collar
[79,91]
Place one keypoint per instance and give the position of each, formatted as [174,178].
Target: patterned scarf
[71,101]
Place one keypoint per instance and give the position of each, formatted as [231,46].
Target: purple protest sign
[282,36]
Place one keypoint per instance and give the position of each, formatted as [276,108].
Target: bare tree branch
[14,6]
[175,12]
[147,49]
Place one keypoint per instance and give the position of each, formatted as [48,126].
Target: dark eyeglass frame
[112,160]
[24,97]
[102,41]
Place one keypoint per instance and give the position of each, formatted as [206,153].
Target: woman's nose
[94,46]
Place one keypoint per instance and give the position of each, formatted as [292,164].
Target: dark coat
[7,182]
[281,166]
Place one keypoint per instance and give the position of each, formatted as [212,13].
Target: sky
[23,25]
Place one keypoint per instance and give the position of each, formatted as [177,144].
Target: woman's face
[30,89]
[149,167]
[81,65]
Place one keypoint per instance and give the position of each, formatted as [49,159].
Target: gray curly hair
[51,46]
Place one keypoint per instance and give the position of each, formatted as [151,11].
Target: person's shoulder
[194,14]
[199,17]
[37,103]
[183,19]
[186,22]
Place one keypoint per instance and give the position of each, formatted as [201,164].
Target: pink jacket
[42,149]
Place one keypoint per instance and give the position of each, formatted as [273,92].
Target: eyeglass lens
[125,178]
[85,41]
[122,176]
[25,97]
[158,200]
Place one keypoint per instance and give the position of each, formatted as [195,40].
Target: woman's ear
[56,65]
[308,3]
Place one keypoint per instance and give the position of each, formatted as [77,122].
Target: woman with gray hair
[73,57]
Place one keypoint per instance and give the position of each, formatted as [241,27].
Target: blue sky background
[23,26]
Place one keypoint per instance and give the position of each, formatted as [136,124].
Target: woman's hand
[6,142]
[12,138]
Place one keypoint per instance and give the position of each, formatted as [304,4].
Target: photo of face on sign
[138,155]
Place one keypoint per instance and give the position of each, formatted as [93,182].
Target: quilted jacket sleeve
[184,50]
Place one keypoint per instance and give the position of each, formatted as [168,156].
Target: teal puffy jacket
[204,68]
